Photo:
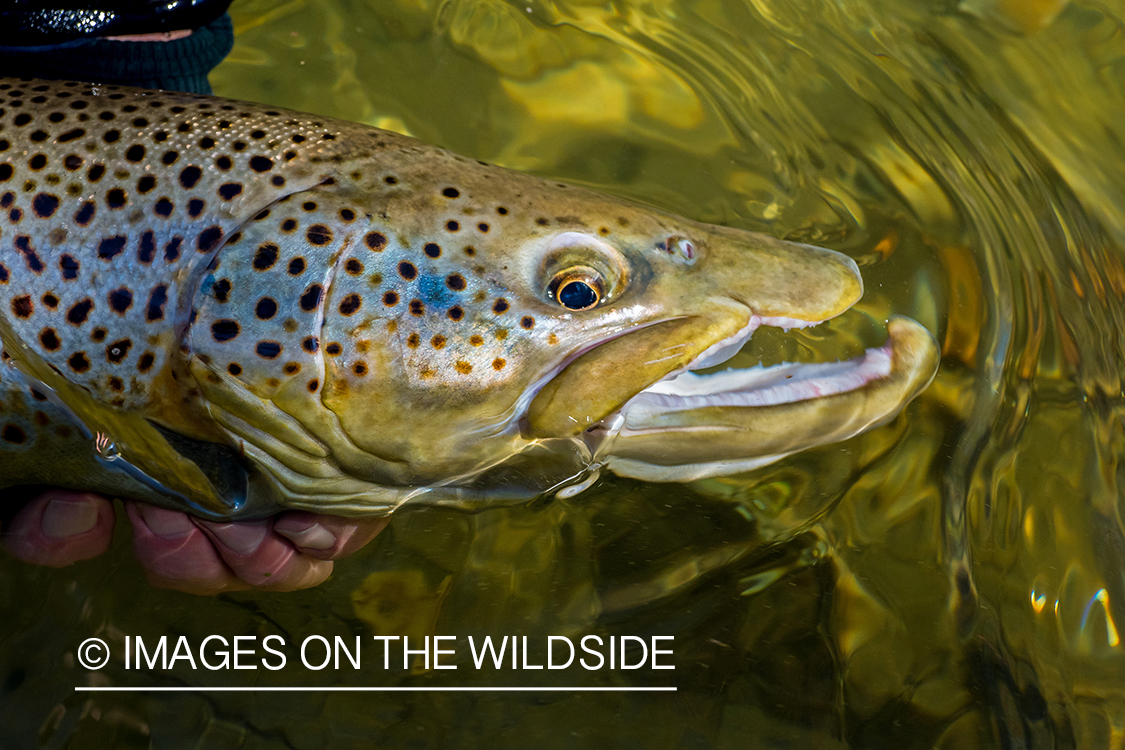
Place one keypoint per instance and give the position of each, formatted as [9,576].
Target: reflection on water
[953,579]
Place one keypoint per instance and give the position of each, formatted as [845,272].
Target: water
[951,580]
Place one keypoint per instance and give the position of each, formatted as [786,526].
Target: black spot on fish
[69,267]
[110,247]
[71,135]
[224,163]
[156,302]
[310,344]
[333,349]
[455,281]
[296,266]
[501,305]
[169,158]
[451,192]
[353,267]
[209,239]
[85,214]
[417,309]
[135,153]
[189,176]
[527,322]
[230,190]
[311,298]
[118,350]
[234,368]
[268,349]
[390,299]
[346,214]
[23,244]
[5,172]
[266,308]
[260,164]
[49,338]
[79,311]
[221,290]
[266,256]
[144,364]
[22,306]
[146,184]
[37,162]
[376,241]
[224,329]
[120,300]
[206,142]
[407,270]
[115,198]
[432,249]
[195,207]
[164,208]
[72,162]
[112,136]
[318,234]
[50,300]
[146,249]
[350,304]
[172,249]
[44,205]
[13,434]
[456,313]
[95,172]
[79,362]
[288,225]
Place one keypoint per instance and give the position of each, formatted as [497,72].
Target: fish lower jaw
[760,386]
[690,426]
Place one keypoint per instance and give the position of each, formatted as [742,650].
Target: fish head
[473,335]
[514,347]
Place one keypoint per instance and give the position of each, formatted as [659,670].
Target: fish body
[232,309]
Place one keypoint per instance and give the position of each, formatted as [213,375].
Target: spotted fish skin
[318,314]
[116,204]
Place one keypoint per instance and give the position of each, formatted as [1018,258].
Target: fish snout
[792,283]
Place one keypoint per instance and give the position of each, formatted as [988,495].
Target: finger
[327,537]
[261,557]
[177,554]
[59,527]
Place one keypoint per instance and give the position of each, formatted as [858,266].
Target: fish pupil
[578,295]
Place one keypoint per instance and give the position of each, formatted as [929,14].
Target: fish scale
[231,309]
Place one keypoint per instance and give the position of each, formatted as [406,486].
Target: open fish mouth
[690,425]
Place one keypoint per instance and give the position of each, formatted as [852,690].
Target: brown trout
[233,309]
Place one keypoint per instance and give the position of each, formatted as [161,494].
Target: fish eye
[577,289]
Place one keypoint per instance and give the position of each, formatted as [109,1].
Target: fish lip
[802,381]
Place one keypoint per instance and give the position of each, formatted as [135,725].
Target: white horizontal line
[202,689]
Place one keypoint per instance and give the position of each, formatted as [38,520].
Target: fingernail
[243,537]
[167,524]
[313,537]
[66,518]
